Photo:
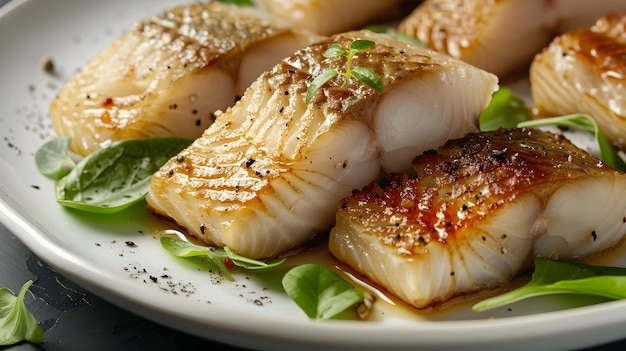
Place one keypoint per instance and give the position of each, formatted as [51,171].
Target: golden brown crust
[449,26]
[390,59]
[108,98]
[203,33]
[602,46]
[461,183]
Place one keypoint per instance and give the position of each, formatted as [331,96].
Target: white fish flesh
[170,73]
[478,212]
[499,36]
[267,175]
[327,17]
[584,71]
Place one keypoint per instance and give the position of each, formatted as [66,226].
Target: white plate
[252,311]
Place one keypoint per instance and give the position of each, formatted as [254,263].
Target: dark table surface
[75,319]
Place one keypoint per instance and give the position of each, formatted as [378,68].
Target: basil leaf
[113,178]
[505,110]
[320,292]
[583,122]
[369,77]
[318,82]
[16,323]
[52,159]
[564,277]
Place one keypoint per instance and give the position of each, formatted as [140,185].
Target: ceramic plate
[119,257]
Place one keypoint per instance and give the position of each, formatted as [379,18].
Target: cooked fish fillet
[170,72]
[331,16]
[500,36]
[478,212]
[268,174]
[584,71]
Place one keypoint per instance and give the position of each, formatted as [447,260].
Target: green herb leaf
[382,29]
[505,110]
[216,256]
[583,122]
[182,248]
[185,249]
[249,263]
[369,77]
[318,82]
[563,277]
[238,2]
[361,45]
[16,323]
[52,158]
[335,50]
[364,74]
[113,178]
[319,291]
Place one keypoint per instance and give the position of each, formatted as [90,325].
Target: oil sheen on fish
[479,210]
[267,175]
[500,36]
[331,16]
[584,71]
[170,72]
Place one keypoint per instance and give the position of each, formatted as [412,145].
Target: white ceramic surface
[140,276]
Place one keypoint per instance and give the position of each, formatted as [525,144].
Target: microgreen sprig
[364,74]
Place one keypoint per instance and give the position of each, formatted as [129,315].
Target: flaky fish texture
[478,212]
[328,17]
[584,71]
[170,72]
[499,36]
[267,175]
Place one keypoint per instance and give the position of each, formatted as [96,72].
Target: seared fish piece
[478,212]
[267,175]
[500,36]
[170,72]
[584,71]
[331,16]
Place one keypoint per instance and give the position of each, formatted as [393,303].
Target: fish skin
[478,212]
[267,175]
[584,71]
[328,17]
[167,75]
[499,36]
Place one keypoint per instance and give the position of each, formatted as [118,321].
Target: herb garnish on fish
[364,74]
